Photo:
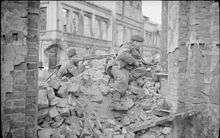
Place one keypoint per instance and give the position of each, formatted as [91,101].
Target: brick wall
[163,46]
[19,72]
[193,66]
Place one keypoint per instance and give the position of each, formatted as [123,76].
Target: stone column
[81,22]
[192,66]
[164,33]
[19,68]
[93,25]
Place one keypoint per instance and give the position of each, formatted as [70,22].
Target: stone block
[32,46]
[14,95]
[42,98]
[15,103]
[53,112]
[42,113]
[18,133]
[31,109]
[50,94]
[31,76]
[119,136]
[19,77]
[32,35]
[74,87]
[45,133]
[21,66]
[147,135]
[33,21]
[16,110]
[62,92]
[63,103]
[54,84]
[30,121]
[31,58]
[30,133]
[32,51]
[32,65]
[166,130]
[55,101]
[31,99]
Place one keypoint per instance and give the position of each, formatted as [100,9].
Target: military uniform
[119,69]
[73,67]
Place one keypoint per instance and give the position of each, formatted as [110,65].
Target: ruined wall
[163,43]
[19,74]
[193,66]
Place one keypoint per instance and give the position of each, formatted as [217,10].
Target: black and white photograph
[110,69]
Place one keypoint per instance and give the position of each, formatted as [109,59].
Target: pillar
[193,65]
[19,60]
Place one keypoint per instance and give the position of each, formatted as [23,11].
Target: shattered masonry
[193,77]
[85,105]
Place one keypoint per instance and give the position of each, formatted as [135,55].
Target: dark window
[52,55]
[15,36]
[64,28]
[66,19]
[43,18]
[52,60]
[131,3]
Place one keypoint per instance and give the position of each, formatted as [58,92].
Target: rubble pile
[115,97]
[81,107]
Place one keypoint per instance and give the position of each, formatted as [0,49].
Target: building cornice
[77,9]
[120,15]
[118,21]
[100,8]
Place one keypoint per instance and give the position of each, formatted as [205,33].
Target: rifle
[93,57]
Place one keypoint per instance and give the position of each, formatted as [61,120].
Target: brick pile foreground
[81,107]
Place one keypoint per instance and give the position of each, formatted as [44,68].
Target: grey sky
[152,9]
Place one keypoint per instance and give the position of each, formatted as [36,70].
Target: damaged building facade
[152,40]
[190,38]
[89,26]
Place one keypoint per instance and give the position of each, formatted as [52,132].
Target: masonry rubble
[81,106]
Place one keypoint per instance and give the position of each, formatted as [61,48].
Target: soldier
[73,67]
[127,59]
[129,52]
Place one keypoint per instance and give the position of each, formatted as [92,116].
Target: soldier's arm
[75,60]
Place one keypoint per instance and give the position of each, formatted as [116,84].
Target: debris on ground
[110,100]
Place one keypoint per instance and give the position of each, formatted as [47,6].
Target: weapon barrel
[94,57]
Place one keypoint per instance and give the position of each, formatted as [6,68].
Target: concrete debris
[103,101]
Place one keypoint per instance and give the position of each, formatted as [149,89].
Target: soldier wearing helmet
[119,68]
[72,67]
[130,52]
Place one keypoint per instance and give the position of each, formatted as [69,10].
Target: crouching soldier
[73,67]
[128,58]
